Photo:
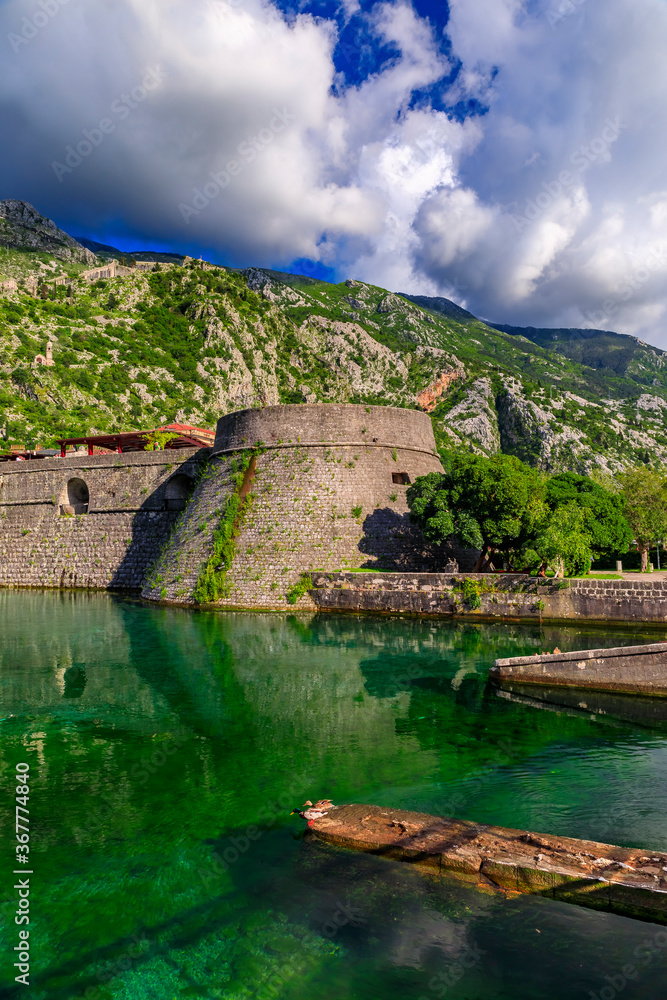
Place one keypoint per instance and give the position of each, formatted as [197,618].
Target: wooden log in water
[623,880]
[630,669]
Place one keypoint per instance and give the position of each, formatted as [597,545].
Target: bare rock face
[527,431]
[392,304]
[428,398]
[257,279]
[23,228]
[474,419]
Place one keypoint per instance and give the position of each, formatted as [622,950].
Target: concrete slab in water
[622,880]
[630,669]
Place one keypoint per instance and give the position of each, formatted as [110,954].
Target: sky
[507,154]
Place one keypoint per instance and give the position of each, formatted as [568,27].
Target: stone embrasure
[623,880]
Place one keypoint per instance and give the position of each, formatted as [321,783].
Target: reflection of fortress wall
[329,491]
[305,698]
[73,658]
[86,521]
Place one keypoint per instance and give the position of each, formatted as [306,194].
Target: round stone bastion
[323,487]
[321,425]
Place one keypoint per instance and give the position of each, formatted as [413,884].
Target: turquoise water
[167,747]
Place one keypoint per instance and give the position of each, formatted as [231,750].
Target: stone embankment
[630,881]
[628,669]
[490,595]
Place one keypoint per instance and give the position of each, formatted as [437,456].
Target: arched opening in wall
[75,498]
[177,491]
[400,478]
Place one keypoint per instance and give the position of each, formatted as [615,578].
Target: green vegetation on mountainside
[190,341]
[607,352]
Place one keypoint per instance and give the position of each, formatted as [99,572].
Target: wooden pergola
[186,437]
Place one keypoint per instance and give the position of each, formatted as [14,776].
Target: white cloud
[549,208]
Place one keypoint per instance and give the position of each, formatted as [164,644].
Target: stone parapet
[488,595]
[320,425]
[628,669]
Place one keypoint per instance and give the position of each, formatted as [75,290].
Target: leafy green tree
[562,541]
[603,519]
[431,508]
[488,503]
[644,492]
[158,440]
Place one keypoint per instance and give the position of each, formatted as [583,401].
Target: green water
[160,740]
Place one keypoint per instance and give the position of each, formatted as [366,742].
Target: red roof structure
[186,437]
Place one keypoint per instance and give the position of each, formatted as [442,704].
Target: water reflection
[168,748]
[621,708]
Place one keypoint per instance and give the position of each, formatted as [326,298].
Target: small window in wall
[401,478]
[177,491]
[75,498]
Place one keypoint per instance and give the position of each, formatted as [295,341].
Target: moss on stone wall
[212,583]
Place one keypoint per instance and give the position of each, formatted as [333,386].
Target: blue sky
[508,154]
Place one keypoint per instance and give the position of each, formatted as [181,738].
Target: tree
[644,492]
[430,507]
[488,503]
[562,541]
[603,519]
[158,440]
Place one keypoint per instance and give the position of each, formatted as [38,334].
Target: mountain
[106,252]
[615,352]
[189,341]
[440,305]
[23,229]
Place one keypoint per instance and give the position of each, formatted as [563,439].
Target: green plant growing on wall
[357,511]
[471,591]
[212,583]
[158,440]
[299,589]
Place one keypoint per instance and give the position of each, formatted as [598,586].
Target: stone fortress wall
[90,521]
[327,486]
[328,491]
